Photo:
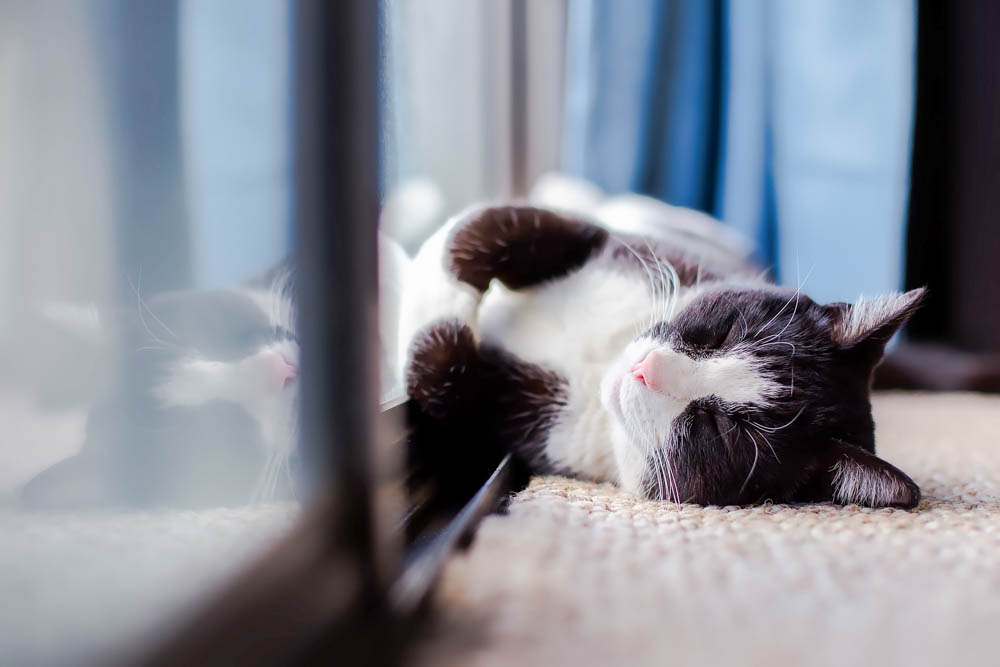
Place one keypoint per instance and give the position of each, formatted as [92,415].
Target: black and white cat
[200,406]
[668,367]
[193,395]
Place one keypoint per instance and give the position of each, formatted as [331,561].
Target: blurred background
[854,143]
[148,144]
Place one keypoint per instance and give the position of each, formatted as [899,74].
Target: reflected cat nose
[283,372]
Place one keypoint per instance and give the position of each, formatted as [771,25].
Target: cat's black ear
[851,475]
[870,323]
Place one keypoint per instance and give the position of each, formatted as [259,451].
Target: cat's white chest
[585,318]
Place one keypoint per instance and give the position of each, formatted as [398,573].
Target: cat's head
[232,346]
[755,394]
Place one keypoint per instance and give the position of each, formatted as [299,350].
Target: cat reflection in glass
[201,409]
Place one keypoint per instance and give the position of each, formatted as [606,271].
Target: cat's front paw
[444,360]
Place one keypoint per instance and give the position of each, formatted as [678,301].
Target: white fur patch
[867,315]
[856,483]
[432,292]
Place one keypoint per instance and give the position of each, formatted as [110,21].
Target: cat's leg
[520,246]
[451,449]
[432,293]
[470,404]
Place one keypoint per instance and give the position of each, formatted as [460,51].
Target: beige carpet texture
[584,574]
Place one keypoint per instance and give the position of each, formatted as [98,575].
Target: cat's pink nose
[646,371]
[284,373]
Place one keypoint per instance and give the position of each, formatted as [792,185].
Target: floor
[75,587]
[583,574]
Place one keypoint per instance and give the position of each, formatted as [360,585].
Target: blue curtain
[789,119]
[199,122]
[235,89]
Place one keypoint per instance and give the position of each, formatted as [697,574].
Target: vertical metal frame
[336,212]
[333,590]
[321,594]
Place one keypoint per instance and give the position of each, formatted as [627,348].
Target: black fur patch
[472,404]
[521,246]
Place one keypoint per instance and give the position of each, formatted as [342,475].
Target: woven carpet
[583,574]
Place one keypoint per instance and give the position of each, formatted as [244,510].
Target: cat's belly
[575,326]
[585,318]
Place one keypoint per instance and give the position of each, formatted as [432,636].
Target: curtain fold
[790,120]
[642,98]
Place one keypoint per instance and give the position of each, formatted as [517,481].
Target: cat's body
[662,363]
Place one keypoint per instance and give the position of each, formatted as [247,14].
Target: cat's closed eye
[705,337]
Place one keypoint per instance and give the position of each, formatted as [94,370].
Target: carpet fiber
[583,574]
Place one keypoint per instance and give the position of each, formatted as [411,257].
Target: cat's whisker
[756,455]
[736,425]
[659,475]
[673,481]
[668,478]
[663,297]
[770,446]
[675,281]
[776,315]
[791,317]
[798,292]
[780,342]
[664,287]
[746,325]
[258,487]
[668,275]
[649,275]
[667,289]
[668,490]
[140,306]
[275,476]
[144,304]
[773,429]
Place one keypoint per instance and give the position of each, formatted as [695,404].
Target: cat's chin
[611,397]
[629,460]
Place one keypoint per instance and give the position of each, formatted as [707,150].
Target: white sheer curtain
[451,87]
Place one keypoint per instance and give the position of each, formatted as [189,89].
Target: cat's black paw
[443,369]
